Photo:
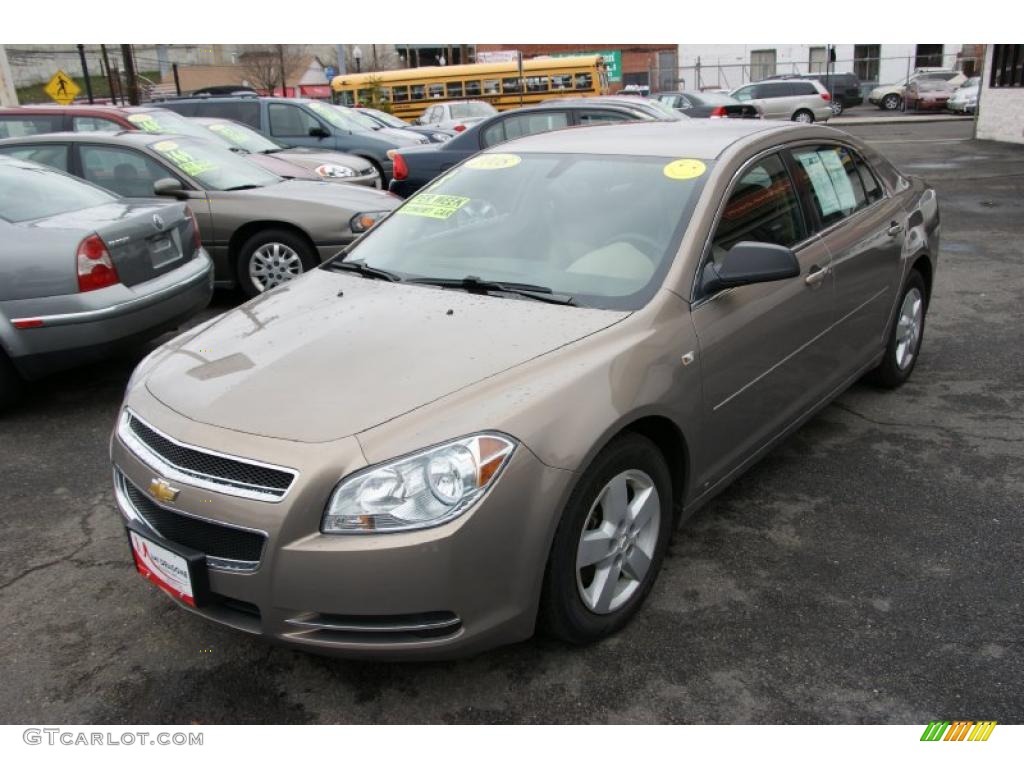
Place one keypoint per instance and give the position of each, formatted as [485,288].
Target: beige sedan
[516,385]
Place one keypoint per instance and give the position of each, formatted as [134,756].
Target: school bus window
[561,82]
[435,90]
[345,98]
[584,80]
[454,90]
[536,84]
[492,88]
[418,92]
[400,93]
[472,88]
[510,85]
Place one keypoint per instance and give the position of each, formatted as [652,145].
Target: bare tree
[270,66]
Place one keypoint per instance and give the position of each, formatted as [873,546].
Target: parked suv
[844,87]
[305,123]
[805,101]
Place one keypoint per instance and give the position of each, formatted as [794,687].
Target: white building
[1001,101]
[729,66]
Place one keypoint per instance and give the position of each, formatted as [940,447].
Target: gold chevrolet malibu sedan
[490,412]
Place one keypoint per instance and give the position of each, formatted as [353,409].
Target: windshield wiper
[362,268]
[474,284]
[241,187]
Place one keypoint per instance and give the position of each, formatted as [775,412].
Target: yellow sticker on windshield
[493,162]
[685,169]
[146,123]
[165,146]
[433,206]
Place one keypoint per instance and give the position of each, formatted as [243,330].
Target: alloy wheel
[618,541]
[908,328]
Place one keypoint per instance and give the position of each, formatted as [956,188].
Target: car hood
[331,355]
[308,157]
[349,196]
[400,136]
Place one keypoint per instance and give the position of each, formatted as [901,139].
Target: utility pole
[284,76]
[8,96]
[129,74]
[110,75]
[85,72]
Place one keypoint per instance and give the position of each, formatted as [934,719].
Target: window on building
[762,64]
[928,55]
[817,59]
[865,62]
[1007,66]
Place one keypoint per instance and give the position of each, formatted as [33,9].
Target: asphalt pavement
[867,571]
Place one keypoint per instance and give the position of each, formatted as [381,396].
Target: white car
[890,96]
[965,98]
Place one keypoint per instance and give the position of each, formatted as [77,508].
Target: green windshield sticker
[433,206]
[182,159]
[493,162]
[229,132]
[146,123]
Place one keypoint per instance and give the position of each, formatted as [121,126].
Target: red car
[927,94]
[28,121]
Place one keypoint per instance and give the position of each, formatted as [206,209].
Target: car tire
[837,108]
[891,102]
[11,384]
[905,337]
[271,257]
[607,507]
[803,116]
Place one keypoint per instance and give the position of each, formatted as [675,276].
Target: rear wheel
[11,384]
[905,338]
[610,542]
[271,257]
[837,107]
[891,101]
[803,116]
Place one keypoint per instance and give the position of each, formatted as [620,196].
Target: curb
[893,120]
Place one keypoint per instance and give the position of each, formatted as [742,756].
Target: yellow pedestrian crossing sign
[62,88]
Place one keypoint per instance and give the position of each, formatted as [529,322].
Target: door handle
[817,274]
[894,229]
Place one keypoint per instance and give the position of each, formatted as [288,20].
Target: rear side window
[84,124]
[833,181]
[27,194]
[763,208]
[53,155]
[523,125]
[186,108]
[596,117]
[12,126]
[247,112]
[872,189]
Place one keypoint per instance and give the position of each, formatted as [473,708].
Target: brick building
[653,65]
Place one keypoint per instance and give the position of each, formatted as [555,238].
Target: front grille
[221,473]
[218,541]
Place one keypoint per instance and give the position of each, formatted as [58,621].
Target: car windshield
[472,109]
[33,192]
[342,117]
[213,166]
[237,135]
[165,121]
[602,229]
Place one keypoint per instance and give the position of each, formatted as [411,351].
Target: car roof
[102,109]
[701,139]
[133,138]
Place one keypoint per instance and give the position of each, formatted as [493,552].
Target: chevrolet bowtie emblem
[161,490]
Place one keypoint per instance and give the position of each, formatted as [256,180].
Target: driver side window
[289,120]
[762,208]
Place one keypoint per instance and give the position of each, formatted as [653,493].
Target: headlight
[363,221]
[440,137]
[331,171]
[418,491]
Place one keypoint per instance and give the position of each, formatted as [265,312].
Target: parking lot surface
[867,571]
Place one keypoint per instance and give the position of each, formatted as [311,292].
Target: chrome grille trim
[208,481]
[130,512]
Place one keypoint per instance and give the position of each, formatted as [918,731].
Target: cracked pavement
[867,571]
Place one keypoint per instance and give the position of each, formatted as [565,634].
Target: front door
[763,355]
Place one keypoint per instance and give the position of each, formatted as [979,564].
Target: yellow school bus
[410,91]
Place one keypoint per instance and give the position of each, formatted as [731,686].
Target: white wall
[1000,110]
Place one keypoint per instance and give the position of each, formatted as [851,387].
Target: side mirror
[748,262]
[169,188]
[318,132]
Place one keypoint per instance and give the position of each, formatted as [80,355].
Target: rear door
[765,357]
[862,227]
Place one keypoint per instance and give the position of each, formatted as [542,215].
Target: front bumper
[453,590]
[81,328]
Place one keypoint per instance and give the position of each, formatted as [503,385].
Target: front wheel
[905,337]
[11,384]
[272,257]
[837,108]
[610,542]
[803,116]
[891,102]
